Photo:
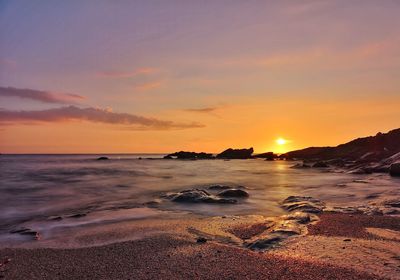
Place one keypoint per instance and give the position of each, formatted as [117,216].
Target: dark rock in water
[79,215]
[54,218]
[393,203]
[102,158]
[267,156]
[27,231]
[320,164]
[300,166]
[219,187]
[395,169]
[233,193]
[236,154]
[267,242]
[198,196]
[189,155]
[303,204]
[152,204]
[201,240]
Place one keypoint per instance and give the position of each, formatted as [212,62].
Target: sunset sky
[161,76]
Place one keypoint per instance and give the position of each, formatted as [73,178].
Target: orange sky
[151,77]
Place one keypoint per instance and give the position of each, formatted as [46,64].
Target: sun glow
[281,141]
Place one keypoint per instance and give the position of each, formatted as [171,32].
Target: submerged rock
[102,158]
[198,196]
[26,231]
[320,164]
[236,154]
[395,169]
[303,204]
[233,193]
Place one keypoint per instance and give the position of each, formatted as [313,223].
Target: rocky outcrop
[197,196]
[236,154]
[233,193]
[267,156]
[102,158]
[367,149]
[305,204]
[320,164]
[189,155]
[395,169]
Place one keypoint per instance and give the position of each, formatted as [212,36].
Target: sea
[36,190]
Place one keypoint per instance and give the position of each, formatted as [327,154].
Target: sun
[281,141]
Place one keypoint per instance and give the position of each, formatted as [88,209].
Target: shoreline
[171,250]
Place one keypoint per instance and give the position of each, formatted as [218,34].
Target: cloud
[40,95]
[201,110]
[125,74]
[148,86]
[96,115]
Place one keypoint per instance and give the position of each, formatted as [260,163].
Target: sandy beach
[338,246]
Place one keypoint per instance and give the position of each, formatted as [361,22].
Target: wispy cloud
[201,110]
[40,95]
[96,115]
[125,74]
[148,86]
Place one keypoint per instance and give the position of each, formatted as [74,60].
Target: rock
[27,231]
[233,193]
[198,196]
[201,240]
[395,169]
[300,217]
[300,166]
[236,154]
[218,187]
[266,242]
[189,155]
[102,158]
[320,164]
[78,215]
[303,204]
[54,218]
[267,156]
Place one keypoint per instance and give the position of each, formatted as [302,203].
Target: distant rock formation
[367,149]
[189,155]
[267,156]
[236,153]
[102,158]
[395,169]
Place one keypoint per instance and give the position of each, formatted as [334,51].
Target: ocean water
[37,188]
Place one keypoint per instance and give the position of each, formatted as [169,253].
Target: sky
[102,76]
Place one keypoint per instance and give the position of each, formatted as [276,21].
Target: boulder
[233,193]
[102,158]
[320,164]
[218,187]
[189,155]
[198,196]
[395,169]
[267,156]
[303,204]
[236,154]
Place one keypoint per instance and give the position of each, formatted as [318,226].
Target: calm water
[36,187]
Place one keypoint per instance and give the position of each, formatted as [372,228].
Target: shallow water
[35,188]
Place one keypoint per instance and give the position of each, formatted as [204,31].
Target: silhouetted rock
[189,155]
[395,169]
[197,196]
[236,154]
[367,149]
[320,164]
[267,156]
[233,193]
[102,158]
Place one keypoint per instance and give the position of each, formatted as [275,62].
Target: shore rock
[189,155]
[395,169]
[233,193]
[320,164]
[267,156]
[303,204]
[300,166]
[236,154]
[198,196]
[102,158]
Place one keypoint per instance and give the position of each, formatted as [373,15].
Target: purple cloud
[40,95]
[97,115]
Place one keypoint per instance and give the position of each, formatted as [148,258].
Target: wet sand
[330,250]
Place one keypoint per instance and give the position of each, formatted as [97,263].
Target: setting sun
[281,141]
